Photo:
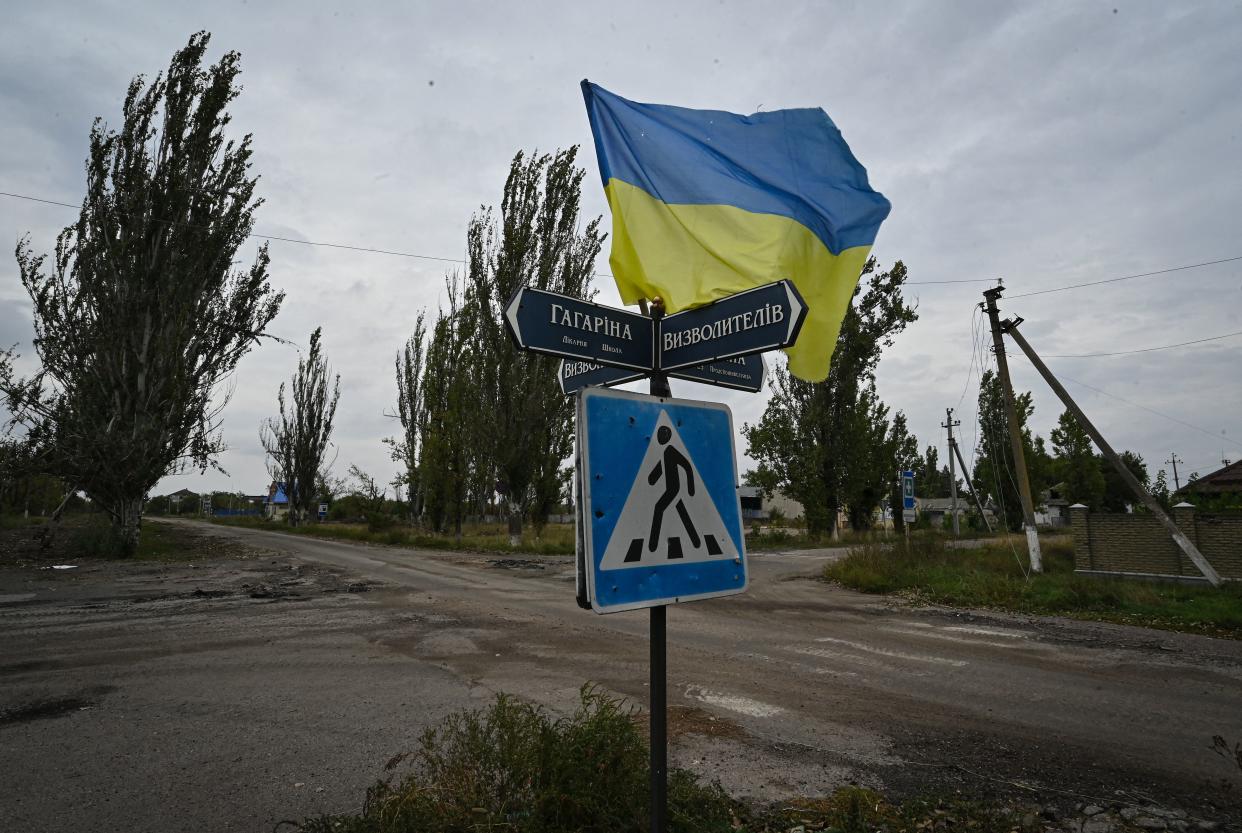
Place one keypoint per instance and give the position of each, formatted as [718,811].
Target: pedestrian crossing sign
[661,521]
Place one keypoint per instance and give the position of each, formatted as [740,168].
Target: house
[936,509]
[276,505]
[1222,482]
[751,499]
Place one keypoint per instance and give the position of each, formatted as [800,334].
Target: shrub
[512,767]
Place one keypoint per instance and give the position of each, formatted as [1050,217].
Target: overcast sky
[1048,144]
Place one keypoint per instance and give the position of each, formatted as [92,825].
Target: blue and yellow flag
[707,203]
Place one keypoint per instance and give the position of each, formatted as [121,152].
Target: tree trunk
[515,524]
[128,524]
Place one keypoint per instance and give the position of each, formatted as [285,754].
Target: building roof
[184,493]
[1221,481]
[941,504]
[279,495]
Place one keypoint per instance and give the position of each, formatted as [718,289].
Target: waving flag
[707,203]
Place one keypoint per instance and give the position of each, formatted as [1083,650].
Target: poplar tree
[296,442]
[535,241]
[411,414]
[139,313]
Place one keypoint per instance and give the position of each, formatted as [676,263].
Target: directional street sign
[557,325]
[765,318]
[575,375]
[659,500]
[743,373]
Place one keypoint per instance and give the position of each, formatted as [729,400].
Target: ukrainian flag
[707,203]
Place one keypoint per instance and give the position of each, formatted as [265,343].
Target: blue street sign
[659,496]
[575,375]
[907,489]
[557,325]
[765,318]
[743,373]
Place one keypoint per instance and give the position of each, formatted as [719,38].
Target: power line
[1128,277]
[1146,349]
[1182,422]
[396,253]
[1088,283]
[319,244]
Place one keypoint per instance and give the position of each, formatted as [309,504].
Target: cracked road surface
[230,695]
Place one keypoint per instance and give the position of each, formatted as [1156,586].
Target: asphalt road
[194,704]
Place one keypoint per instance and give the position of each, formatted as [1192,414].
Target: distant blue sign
[764,318]
[661,520]
[907,489]
[557,325]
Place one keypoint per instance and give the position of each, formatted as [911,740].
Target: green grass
[557,539]
[993,576]
[512,767]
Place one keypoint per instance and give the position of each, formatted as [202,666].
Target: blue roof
[280,496]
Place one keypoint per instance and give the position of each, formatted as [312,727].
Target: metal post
[949,423]
[1192,552]
[659,650]
[1015,432]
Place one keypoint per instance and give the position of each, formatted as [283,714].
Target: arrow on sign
[765,318]
[557,325]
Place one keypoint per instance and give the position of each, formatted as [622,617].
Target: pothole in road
[45,710]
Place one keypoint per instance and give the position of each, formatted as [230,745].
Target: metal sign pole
[659,649]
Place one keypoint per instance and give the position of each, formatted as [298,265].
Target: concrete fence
[1117,544]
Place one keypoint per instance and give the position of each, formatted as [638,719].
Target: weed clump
[513,767]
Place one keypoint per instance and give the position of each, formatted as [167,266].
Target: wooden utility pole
[1015,431]
[949,423]
[1177,483]
[1192,552]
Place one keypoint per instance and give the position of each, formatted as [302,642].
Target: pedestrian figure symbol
[669,468]
[669,515]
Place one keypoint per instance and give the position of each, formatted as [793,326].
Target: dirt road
[230,695]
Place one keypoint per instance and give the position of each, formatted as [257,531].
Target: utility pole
[1015,431]
[1186,545]
[973,493]
[1177,483]
[949,423]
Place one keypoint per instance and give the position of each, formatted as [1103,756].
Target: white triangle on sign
[689,528]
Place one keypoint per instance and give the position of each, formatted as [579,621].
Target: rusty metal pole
[1015,432]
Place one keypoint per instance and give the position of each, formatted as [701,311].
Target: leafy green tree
[820,442]
[536,241]
[1076,463]
[1160,489]
[994,472]
[140,313]
[296,442]
[1117,495]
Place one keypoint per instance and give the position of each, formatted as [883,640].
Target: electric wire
[397,253]
[1145,349]
[1181,422]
